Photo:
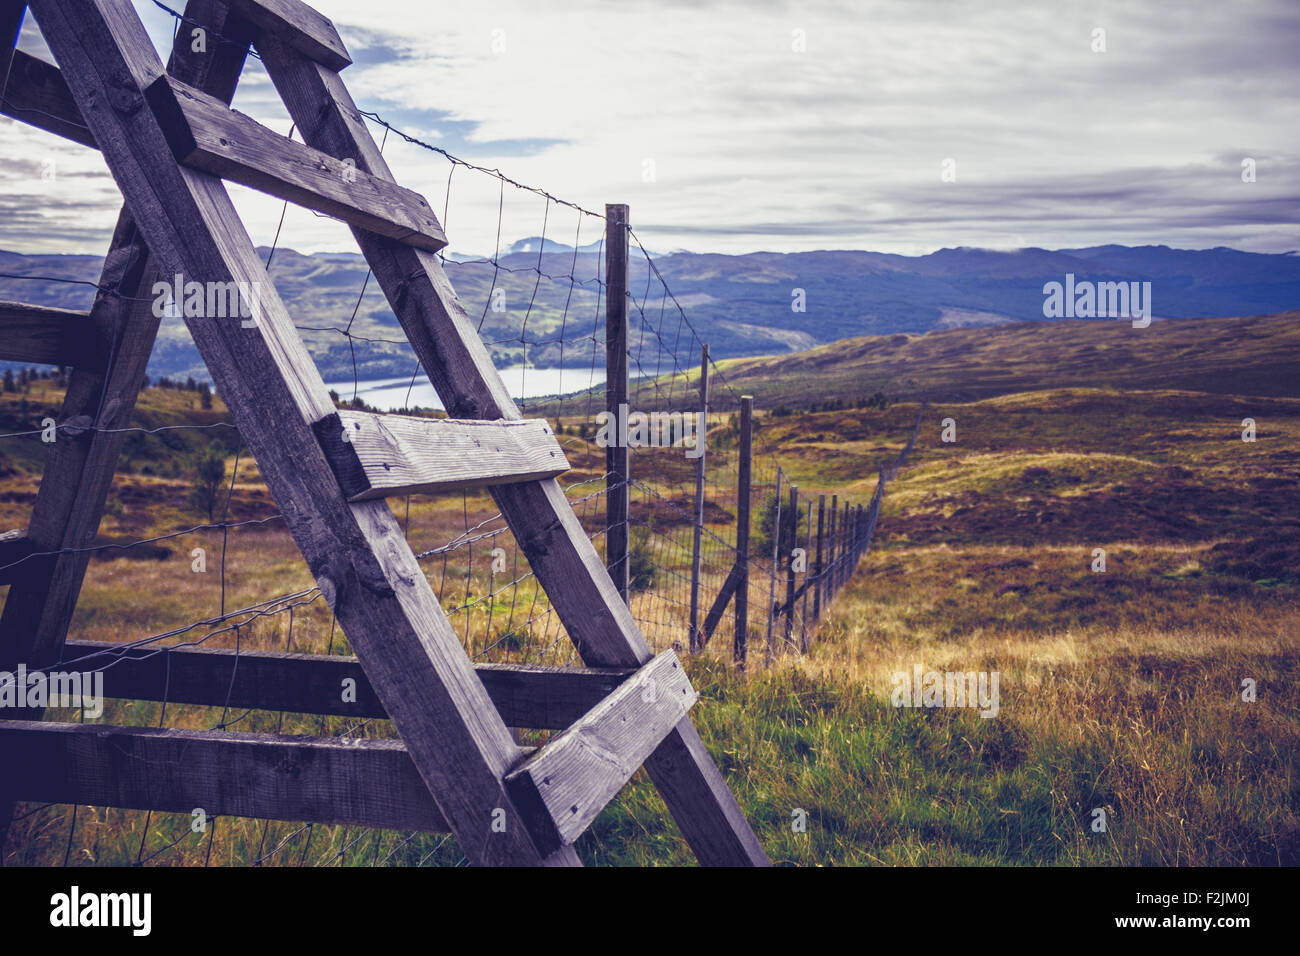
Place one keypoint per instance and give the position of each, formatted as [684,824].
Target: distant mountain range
[541,302]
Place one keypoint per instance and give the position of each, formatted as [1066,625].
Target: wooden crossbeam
[36,93]
[564,786]
[306,30]
[356,782]
[204,133]
[526,695]
[383,456]
[558,550]
[49,336]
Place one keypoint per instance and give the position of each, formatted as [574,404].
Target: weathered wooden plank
[206,134]
[35,93]
[293,22]
[526,695]
[570,780]
[384,456]
[558,551]
[356,782]
[49,336]
[356,551]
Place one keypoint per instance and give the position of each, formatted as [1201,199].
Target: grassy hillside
[1256,355]
[1120,690]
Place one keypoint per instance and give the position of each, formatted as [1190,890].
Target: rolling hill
[540,301]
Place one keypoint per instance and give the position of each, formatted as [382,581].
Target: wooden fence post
[789,559]
[743,482]
[696,641]
[831,541]
[817,580]
[807,565]
[617,462]
[776,552]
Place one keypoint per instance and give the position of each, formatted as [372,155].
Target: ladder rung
[562,788]
[48,336]
[298,26]
[390,455]
[526,695]
[205,134]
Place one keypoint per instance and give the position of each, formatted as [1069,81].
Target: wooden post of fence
[617,463]
[776,553]
[807,564]
[862,531]
[831,541]
[857,538]
[743,481]
[697,644]
[817,580]
[789,564]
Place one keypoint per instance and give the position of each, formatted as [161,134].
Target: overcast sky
[785,127]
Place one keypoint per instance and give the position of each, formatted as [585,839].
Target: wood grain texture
[526,695]
[49,336]
[356,552]
[356,782]
[558,550]
[35,93]
[302,27]
[206,134]
[571,779]
[383,456]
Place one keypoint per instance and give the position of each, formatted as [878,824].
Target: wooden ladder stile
[170,140]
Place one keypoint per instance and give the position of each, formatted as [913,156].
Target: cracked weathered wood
[384,456]
[204,133]
[355,782]
[569,781]
[548,531]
